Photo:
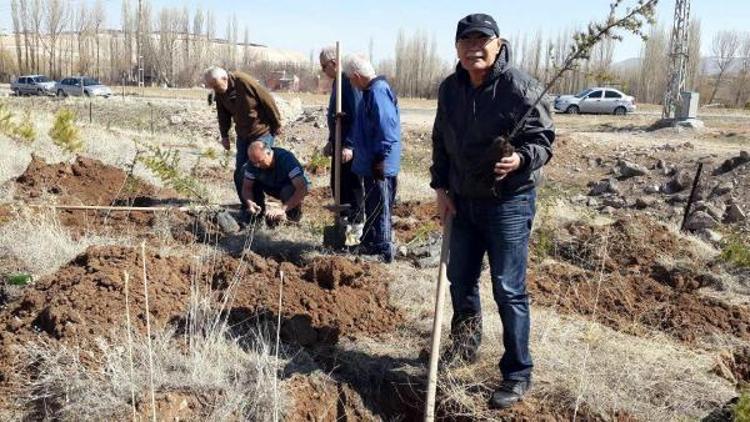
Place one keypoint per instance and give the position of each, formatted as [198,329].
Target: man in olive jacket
[240,98]
[487,184]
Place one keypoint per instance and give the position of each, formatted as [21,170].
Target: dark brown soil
[414,219]
[85,182]
[611,274]
[85,299]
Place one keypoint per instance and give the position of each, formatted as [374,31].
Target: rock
[661,164]
[694,124]
[651,189]
[733,163]
[604,186]
[578,199]
[700,220]
[681,181]
[711,236]
[722,188]
[428,262]
[677,199]
[592,202]
[734,214]
[403,251]
[627,169]
[644,202]
[175,120]
[715,211]
[615,202]
[607,210]
[227,223]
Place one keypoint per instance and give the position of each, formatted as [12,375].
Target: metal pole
[337,149]
[437,326]
[692,196]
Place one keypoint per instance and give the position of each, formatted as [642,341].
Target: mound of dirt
[322,400]
[85,182]
[614,274]
[85,299]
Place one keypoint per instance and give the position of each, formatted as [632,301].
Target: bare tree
[55,20]
[654,65]
[743,74]
[15,13]
[35,24]
[724,48]
[98,19]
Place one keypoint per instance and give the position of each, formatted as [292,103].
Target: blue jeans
[379,198]
[501,228]
[241,159]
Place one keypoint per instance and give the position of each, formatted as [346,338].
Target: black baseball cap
[477,22]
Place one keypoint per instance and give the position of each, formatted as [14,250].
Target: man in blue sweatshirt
[352,190]
[377,158]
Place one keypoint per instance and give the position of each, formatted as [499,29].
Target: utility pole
[139,44]
[678,54]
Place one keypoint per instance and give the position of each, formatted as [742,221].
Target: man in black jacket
[487,184]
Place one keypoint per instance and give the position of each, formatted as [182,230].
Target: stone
[604,186]
[608,210]
[227,223]
[579,199]
[723,188]
[734,214]
[592,202]
[627,169]
[175,119]
[681,181]
[615,202]
[733,163]
[700,220]
[644,202]
[651,189]
[711,236]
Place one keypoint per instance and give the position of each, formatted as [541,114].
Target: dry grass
[226,370]
[41,243]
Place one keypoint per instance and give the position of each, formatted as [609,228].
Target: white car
[33,85]
[91,87]
[596,101]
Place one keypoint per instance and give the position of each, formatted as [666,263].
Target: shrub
[64,132]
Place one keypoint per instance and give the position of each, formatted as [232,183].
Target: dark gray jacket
[469,121]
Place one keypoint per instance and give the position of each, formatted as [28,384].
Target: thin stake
[692,196]
[148,333]
[91,111]
[130,344]
[278,342]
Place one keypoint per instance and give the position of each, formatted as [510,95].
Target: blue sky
[307,25]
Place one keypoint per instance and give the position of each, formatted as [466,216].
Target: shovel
[335,236]
[437,325]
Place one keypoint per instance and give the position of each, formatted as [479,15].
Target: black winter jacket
[470,120]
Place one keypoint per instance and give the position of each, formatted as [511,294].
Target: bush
[742,410]
[64,132]
[736,252]
[25,130]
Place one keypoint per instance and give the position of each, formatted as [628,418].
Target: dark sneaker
[509,393]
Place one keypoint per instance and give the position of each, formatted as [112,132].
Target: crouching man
[278,173]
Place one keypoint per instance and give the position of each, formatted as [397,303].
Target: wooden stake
[437,326]
[337,149]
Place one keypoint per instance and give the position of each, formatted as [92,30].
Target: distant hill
[709,65]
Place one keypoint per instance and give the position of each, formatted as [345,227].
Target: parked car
[91,87]
[596,100]
[33,85]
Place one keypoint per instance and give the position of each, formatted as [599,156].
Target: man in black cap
[487,184]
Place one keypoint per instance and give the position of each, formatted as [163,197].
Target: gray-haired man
[240,98]
[352,189]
